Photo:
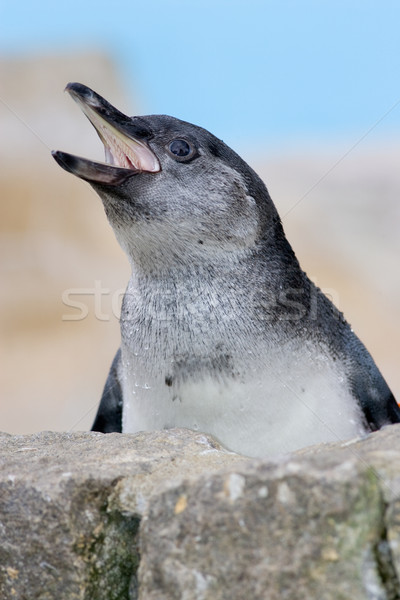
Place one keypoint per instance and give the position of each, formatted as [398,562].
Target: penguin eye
[181,150]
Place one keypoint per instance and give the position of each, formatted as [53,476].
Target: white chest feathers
[264,405]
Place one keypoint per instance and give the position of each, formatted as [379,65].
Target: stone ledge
[171,514]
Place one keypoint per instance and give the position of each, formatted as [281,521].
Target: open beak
[125,142]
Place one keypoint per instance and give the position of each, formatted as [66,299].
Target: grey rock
[70,506]
[172,515]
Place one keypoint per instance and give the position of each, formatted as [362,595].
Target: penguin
[221,330]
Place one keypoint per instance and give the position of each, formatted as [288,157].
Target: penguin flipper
[384,413]
[377,402]
[109,413]
[393,410]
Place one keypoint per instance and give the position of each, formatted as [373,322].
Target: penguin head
[171,190]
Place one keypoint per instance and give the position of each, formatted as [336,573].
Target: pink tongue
[120,155]
[131,165]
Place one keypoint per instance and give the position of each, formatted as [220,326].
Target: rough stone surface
[172,515]
[70,507]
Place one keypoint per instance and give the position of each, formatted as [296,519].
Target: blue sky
[247,70]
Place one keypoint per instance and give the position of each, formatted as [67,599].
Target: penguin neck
[256,283]
[192,276]
[189,309]
[249,281]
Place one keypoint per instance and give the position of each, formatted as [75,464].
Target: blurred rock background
[341,214]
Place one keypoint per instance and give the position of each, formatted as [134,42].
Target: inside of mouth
[126,153]
[120,156]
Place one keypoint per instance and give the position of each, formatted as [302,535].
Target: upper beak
[125,142]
